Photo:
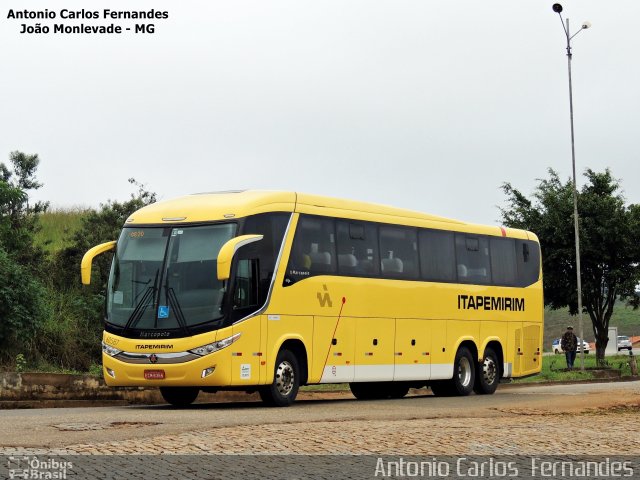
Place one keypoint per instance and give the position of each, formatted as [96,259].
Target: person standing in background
[569,344]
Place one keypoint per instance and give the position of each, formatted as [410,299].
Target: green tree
[23,299]
[609,247]
[18,219]
[23,308]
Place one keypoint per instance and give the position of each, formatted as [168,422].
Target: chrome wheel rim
[285,377]
[464,371]
[489,371]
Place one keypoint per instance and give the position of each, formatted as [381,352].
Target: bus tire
[441,388]
[487,374]
[398,390]
[286,380]
[366,390]
[464,373]
[179,396]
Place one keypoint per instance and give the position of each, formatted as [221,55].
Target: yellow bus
[267,291]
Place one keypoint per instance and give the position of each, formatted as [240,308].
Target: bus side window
[357,244]
[318,259]
[313,251]
[246,286]
[400,252]
[503,261]
[528,261]
[472,254]
[437,255]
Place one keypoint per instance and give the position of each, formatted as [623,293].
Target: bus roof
[216,206]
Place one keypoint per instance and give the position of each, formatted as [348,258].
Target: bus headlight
[215,346]
[109,350]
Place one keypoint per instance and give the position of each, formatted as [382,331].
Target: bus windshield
[166,278]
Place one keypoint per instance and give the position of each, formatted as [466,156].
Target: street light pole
[558,9]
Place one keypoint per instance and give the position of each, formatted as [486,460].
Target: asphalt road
[337,423]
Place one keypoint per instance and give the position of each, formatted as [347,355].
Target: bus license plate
[154,374]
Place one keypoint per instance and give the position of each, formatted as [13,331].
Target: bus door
[516,347]
[441,356]
[334,354]
[246,352]
[412,352]
[532,358]
[374,349]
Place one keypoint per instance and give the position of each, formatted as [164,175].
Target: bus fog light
[110,372]
[208,371]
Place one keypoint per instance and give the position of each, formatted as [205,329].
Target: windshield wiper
[172,300]
[142,305]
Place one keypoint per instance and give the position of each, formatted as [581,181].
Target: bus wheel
[179,396]
[286,380]
[361,390]
[441,388]
[464,373]
[397,390]
[488,374]
[368,390]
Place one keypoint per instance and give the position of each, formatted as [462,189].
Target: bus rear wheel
[488,374]
[286,380]
[464,374]
[179,396]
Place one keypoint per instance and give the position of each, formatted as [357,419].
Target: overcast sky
[418,104]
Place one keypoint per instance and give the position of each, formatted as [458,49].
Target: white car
[624,343]
[557,348]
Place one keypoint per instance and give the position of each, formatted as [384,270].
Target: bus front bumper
[207,371]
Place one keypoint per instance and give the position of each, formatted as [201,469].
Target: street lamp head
[557,8]
[586,25]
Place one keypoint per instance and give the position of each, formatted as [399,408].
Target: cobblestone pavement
[605,423]
[526,435]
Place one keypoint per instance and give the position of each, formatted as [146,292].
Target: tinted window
[503,261]
[472,258]
[357,248]
[399,252]
[245,293]
[263,254]
[437,255]
[313,251]
[528,260]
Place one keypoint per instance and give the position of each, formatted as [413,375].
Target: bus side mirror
[229,249]
[85,265]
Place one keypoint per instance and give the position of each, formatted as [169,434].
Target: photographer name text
[464,467]
[86,22]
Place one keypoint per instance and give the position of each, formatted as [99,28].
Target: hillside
[57,226]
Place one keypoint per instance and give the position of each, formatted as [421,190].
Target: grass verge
[554,369]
